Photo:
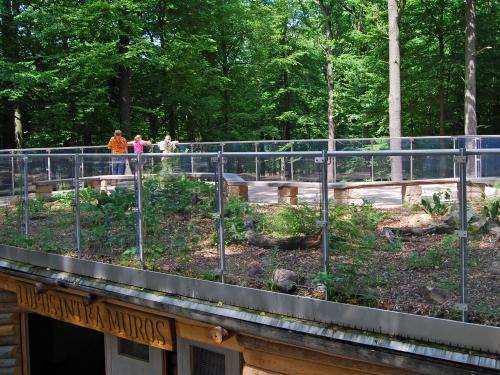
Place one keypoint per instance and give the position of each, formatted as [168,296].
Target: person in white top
[167,145]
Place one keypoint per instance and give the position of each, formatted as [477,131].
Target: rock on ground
[285,280]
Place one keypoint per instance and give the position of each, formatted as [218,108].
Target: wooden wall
[10,335]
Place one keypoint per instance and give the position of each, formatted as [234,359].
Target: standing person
[167,145]
[138,145]
[168,164]
[118,145]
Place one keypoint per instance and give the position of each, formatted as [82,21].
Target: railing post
[291,162]
[478,157]
[222,150]
[12,175]
[372,168]
[325,236]
[192,159]
[411,160]
[49,167]
[454,165]
[26,210]
[82,167]
[76,166]
[220,217]
[138,186]
[257,171]
[462,233]
[325,239]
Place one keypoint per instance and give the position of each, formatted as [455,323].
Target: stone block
[288,194]
[237,191]
[411,194]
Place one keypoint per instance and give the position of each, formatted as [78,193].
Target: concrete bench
[411,191]
[237,187]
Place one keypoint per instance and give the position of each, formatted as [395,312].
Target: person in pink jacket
[138,145]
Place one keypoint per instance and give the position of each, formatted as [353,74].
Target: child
[139,144]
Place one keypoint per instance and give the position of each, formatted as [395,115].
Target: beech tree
[326,11]
[395,11]
[470,68]
[71,72]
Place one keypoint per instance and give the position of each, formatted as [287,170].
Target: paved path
[380,196]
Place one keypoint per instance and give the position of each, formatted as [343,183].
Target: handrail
[275,141]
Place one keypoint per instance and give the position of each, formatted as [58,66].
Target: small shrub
[326,279]
[430,259]
[37,208]
[491,209]
[209,276]
[437,207]
[446,254]
[235,211]
[291,221]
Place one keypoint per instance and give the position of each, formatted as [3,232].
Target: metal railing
[217,170]
[350,169]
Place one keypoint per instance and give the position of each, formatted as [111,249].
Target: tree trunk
[394,90]
[442,104]
[153,126]
[123,83]
[10,51]
[470,68]
[18,128]
[225,90]
[330,84]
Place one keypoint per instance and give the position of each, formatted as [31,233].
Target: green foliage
[491,209]
[235,211]
[233,70]
[169,195]
[437,206]
[446,254]
[290,221]
[210,276]
[87,196]
[353,233]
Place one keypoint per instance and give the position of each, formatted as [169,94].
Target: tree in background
[470,68]
[233,69]
[395,11]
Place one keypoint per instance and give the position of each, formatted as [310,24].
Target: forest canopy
[73,71]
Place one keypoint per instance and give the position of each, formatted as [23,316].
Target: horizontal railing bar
[483,151]
[278,141]
[442,152]
[420,152]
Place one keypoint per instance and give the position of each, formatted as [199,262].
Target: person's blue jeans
[118,166]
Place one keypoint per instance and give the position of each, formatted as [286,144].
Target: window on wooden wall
[202,359]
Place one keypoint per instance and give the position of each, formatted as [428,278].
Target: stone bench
[411,191]
[237,187]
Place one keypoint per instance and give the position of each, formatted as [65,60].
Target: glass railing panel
[483,266]
[51,207]
[179,216]
[107,205]
[244,167]
[272,235]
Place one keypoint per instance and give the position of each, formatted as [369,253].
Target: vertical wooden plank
[23,320]
[10,335]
